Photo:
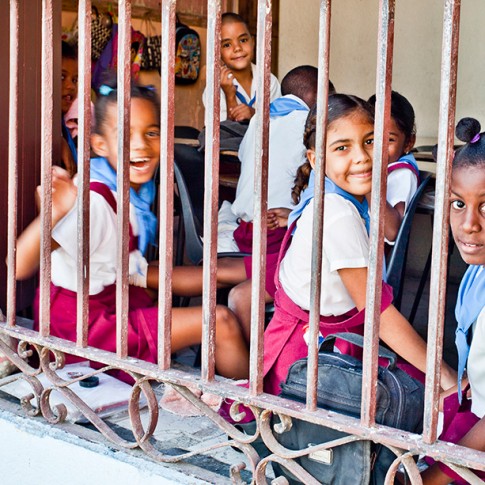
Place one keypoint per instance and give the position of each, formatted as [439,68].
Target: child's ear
[410,144]
[99,145]
[311,156]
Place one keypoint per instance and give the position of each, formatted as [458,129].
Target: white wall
[417,51]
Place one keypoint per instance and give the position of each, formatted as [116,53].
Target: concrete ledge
[37,452]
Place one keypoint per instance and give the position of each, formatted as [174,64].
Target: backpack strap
[403,164]
[105,192]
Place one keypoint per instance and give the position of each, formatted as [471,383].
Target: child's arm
[392,219]
[64,193]
[277,217]
[394,329]
[475,439]
[235,111]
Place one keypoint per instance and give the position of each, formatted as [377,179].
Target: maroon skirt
[142,321]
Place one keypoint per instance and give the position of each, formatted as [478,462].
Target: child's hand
[227,78]
[241,112]
[277,217]
[64,194]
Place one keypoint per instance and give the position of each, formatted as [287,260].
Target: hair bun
[467,129]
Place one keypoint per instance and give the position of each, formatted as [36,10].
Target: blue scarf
[471,300]
[286,105]
[241,98]
[142,200]
[330,188]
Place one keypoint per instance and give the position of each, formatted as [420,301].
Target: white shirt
[102,248]
[286,154]
[275,92]
[476,366]
[345,245]
[401,186]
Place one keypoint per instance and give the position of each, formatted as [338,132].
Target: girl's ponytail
[301,181]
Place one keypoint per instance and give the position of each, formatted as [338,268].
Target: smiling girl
[349,150]
[231,355]
[238,81]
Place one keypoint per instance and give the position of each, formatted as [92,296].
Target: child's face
[69,83]
[398,145]
[467,213]
[350,143]
[237,46]
[144,140]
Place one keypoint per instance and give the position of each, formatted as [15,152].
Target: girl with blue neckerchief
[231,354]
[464,411]
[349,151]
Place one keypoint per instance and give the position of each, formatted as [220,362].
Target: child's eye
[370,141]
[341,148]
[225,45]
[244,39]
[457,204]
[74,80]
[153,134]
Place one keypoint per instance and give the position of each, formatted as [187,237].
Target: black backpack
[400,403]
[187,54]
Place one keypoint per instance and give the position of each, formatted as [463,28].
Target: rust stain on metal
[263,61]
[437,295]
[166,183]
[13,170]
[123,172]
[83,221]
[319,203]
[385,44]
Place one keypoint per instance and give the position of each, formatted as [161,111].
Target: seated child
[238,81]
[403,171]
[69,94]
[349,151]
[467,219]
[286,151]
[231,354]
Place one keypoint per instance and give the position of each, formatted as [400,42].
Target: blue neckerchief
[286,105]
[67,135]
[243,100]
[142,200]
[471,300]
[330,188]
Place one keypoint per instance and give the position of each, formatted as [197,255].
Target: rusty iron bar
[380,434]
[83,203]
[211,195]
[439,261]
[258,290]
[385,45]
[47,132]
[13,171]
[166,188]
[123,175]
[318,201]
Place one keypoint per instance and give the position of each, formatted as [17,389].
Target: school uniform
[459,413]
[142,317]
[243,96]
[286,153]
[402,180]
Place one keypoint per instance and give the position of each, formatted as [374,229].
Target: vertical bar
[437,296]
[47,131]
[263,61]
[385,46]
[123,175]
[84,99]
[166,183]
[13,171]
[212,118]
[318,210]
